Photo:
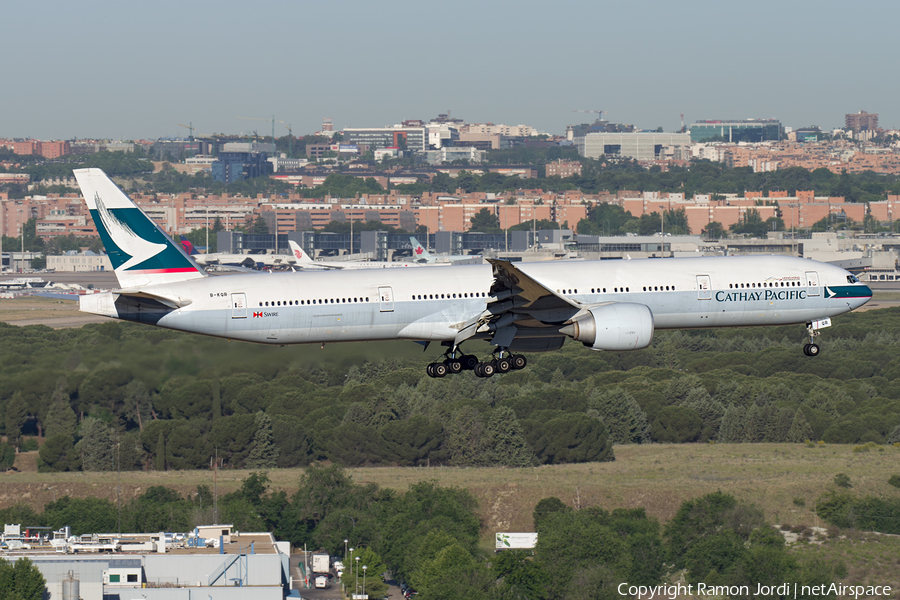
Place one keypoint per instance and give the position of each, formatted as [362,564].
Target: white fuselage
[431,303]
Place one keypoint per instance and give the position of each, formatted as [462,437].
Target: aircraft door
[812,283]
[704,288]
[386,298]
[239,306]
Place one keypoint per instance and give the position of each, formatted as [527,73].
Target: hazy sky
[128,70]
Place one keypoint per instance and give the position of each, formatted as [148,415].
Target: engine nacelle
[618,326]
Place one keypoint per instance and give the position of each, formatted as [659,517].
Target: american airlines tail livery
[612,305]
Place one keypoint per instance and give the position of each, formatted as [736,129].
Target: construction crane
[191,127]
[290,139]
[272,120]
[599,113]
[191,137]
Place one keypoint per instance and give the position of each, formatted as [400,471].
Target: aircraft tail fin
[301,256]
[141,253]
[188,246]
[419,251]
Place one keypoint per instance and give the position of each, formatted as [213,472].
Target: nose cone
[864,294]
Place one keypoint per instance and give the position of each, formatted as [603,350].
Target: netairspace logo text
[647,592]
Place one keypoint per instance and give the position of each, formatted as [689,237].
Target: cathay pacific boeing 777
[526,307]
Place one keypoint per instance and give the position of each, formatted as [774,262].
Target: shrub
[894,481]
[842,480]
[29,444]
[868,446]
[799,501]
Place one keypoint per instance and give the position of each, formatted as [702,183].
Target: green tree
[506,440]
[259,225]
[731,428]
[7,456]
[715,553]
[571,544]
[894,436]
[263,453]
[756,424]
[159,458]
[137,402]
[484,221]
[415,441]
[714,231]
[58,454]
[800,430]
[16,416]
[676,425]
[97,446]
[84,515]
[570,438]
[467,442]
[622,415]
[701,518]
[520,576]
[61,418]
[21,580]
[676,222]
[546,507]
[374,583]
[451,574]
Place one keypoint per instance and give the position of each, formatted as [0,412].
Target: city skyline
[106,70]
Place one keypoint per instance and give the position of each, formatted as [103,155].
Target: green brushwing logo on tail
[134,243]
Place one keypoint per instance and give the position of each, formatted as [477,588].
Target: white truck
[321,582]
[321,563]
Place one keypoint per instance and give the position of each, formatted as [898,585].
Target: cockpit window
[852,279]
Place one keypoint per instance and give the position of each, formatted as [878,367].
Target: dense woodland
[146,398]
[428,537]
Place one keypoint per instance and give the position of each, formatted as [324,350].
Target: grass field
[783,479]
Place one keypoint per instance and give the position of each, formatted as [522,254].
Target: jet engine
[617,326]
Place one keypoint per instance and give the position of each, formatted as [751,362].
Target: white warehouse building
[639,146]
[156,567]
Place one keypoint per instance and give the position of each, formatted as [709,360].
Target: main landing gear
[457,362]
[811,349]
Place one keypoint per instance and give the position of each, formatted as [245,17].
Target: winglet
[141,253]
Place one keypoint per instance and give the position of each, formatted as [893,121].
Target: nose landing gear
[812,349]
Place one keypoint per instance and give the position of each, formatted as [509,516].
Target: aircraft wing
[520,306]
[531,295]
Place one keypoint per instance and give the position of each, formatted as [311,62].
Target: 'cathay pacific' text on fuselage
[761,295]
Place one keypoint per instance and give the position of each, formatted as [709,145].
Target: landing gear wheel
[430,370]
[454,365]
[503,365]
[812,350]
[439,369]
[518,361]
[487,369]
[806,349]
[468,361]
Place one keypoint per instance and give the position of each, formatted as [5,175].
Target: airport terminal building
[224,566]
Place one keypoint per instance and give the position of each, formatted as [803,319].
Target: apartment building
[562,168]
[861,121]
[51,149]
